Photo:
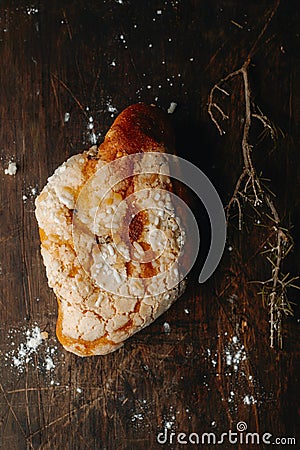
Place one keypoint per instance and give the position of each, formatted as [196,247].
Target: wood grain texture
[65,57]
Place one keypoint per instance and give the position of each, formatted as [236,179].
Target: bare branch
[250,189]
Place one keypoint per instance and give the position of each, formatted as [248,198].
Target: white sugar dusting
[111,108]
[231,361]
[169,419]
[11,168]
[123,40]
[30,11]
[24,353]
[90,126]
[137,416]
[172,107]
[167,328]
[30,193]
[33,190]
[33,350]
[235,353]
[67,117]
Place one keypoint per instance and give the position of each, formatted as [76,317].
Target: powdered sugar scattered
[137,416]
[123,40]
[110,107]
[30,10]
[230,361]
[92,135]
[67,117]
[172,107]
[33,350]
[91,132]
[167,328]
[235,353]
[11,168]
[169,419]
[30,193]
[25,351]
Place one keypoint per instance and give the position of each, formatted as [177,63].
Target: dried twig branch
[250,189]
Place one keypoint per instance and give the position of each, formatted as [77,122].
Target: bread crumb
[11,169]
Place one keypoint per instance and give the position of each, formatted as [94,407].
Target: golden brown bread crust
[139,128]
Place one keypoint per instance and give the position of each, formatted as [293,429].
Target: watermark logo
[168,211]
[240,436]
[241,426]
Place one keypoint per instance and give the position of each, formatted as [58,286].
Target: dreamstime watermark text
[239,436]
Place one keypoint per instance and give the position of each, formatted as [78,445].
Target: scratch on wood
[11,409]
[88,405]
[71,93]
[68,25]
[56,100]
[27,400]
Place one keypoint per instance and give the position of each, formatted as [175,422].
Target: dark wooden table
[64,61]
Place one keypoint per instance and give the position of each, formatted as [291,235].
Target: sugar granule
[166,327]
[172,107]
[11,169]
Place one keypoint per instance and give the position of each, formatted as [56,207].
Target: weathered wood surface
[58,57]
